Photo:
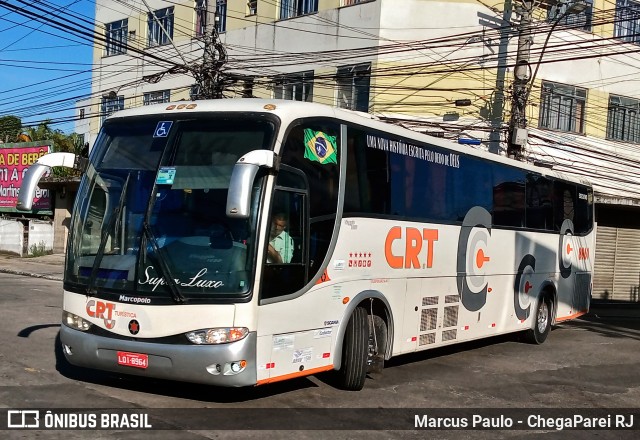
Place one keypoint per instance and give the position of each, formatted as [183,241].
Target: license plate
[136,360]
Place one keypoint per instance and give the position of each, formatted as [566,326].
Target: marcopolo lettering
[134,299]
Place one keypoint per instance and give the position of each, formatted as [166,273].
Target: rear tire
[542,324]
[355,347]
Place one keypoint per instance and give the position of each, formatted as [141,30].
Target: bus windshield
[150,216]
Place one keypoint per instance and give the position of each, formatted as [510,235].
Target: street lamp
[523,79]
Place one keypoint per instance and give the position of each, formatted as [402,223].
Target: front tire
[353,370]
[542,324]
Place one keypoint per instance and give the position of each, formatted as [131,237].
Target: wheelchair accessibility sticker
[162,129]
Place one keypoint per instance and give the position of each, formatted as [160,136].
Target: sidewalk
[48,266]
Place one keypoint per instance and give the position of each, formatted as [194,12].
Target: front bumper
[187,363]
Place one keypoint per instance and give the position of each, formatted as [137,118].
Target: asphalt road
[587,364]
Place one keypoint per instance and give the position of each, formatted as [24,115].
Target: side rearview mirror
[242,177]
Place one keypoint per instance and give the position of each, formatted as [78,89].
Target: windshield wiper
[164,268]
[91,290]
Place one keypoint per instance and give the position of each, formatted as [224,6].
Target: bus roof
[288,111]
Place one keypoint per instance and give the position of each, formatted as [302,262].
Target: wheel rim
[543,317]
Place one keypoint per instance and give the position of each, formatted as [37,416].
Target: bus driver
[280,242]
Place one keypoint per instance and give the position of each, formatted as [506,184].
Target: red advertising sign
[14,161]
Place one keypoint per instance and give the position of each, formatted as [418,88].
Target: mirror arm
[35,172]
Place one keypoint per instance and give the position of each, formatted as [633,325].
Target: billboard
[15,158]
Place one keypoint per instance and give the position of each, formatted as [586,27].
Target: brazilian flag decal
[320,147]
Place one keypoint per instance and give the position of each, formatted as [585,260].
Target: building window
[567,16]
[623,121]
[160,27]
[117,37]
[201,17]
[110,105]
[627,21]
[252,7]
[158,97]
[294,8]
[247,88]
[353,87]
[296,87]
[221,15]
[352,2]
[562,107]
[194,92]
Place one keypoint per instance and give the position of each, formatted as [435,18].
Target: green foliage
[40,249]
[66,143]
[10,127]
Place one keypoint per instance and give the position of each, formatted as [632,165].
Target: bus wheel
[542,325]
[355,350]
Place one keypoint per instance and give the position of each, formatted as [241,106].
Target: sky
[44,70]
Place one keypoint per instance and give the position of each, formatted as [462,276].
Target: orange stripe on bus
[566,318]
[294,375]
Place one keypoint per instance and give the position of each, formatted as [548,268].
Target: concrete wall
[40,237]
[62,218]
[12,236]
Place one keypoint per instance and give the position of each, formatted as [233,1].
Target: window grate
[623,119]
[160,27]
[429,301]
[116,34]
[353,84]
[295,86]
[428,319]
[295,8]
[426,339]
[451,299]
[450,316]
[449,335]
[562,107]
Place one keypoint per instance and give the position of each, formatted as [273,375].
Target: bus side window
[583,222]
[508,197]
[322,177]
[285,273]
[539,202]
[564,203]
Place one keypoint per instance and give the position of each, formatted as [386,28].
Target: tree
[42,132]
[10,128]
[72,143]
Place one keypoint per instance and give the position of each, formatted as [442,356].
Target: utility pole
[497,102]
[209,75]
[518,134]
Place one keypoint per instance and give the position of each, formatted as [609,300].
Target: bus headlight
[220,335]
[75,322]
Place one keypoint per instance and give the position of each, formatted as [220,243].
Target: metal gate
[617,264]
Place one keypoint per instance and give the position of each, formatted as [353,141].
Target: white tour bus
[242,242]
